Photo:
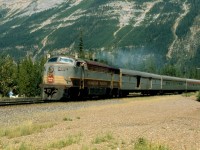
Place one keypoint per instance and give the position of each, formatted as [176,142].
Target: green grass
[188,94]
[103,141]
[197,94]
[108,141]
[24,129]
[67,119]
[69,140]
[70,119]
[143,144]
[103,138]
[17,146]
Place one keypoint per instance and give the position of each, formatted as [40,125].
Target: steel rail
[19,101]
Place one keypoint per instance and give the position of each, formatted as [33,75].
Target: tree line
[22,77]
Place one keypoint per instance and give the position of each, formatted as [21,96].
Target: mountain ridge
[157,31]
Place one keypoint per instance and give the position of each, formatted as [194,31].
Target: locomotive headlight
[69,82]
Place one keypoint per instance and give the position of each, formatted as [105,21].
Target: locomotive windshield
[62,60]
[65,60]
[54,59]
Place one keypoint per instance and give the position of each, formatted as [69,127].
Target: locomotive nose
[58,74]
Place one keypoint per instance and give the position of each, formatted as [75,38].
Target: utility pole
[81,52]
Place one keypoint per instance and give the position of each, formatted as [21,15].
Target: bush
[67,119]
[198,97]
[143,144]
[69,140]
[103,138]
[24,129]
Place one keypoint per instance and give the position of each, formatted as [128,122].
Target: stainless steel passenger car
[136,81]
[147,83]
[67,77]
[192,85]
[173,84]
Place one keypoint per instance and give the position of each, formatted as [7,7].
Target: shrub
[69,140]
[67,119]
[198,97]
[17,146]
[143,144]
[24,129]
[103,138]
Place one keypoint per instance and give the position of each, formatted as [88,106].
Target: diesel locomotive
[67,77]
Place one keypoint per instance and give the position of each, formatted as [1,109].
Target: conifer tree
[81,52]
[24,76]
[169,70]
[8,70]
[150,65]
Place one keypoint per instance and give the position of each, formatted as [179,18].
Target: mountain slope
[126,33]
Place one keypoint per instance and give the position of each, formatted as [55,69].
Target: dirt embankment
[167,120]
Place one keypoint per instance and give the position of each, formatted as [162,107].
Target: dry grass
[103,138]
[69,140]
[143,144]
[144,123]
[27,128]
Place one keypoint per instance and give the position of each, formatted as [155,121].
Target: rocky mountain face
[124,33]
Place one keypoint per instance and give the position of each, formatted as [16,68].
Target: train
[67,77]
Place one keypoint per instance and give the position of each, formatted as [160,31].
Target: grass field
[135,123]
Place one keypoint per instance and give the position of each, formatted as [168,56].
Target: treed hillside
[136,34]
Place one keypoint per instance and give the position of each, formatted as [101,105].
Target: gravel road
[173,121]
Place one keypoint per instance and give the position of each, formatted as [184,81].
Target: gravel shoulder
[167,120]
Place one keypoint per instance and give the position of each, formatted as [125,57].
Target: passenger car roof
[139,73]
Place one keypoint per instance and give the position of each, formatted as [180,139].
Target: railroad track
[20,101]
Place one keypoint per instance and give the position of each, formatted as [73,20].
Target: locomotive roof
[98,64]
